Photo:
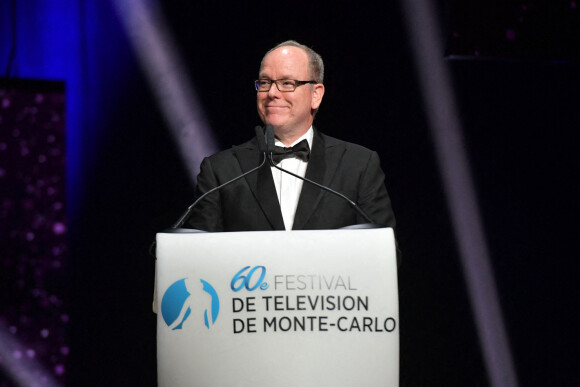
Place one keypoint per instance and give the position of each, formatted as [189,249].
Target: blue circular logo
[175,304]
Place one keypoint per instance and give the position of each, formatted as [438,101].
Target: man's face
[291,113]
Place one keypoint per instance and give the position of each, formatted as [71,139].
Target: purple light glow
[32,233]
[59,228]
[510,34]
[59,369]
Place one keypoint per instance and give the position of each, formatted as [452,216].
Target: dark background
[520,123]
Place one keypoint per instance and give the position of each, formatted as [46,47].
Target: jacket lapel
[324,160]
[261,183]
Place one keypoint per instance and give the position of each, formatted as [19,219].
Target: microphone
[270,147]
[270,150]
[261,136]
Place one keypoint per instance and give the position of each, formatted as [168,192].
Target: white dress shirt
[288,187]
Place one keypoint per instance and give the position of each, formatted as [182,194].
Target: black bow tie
[300,150]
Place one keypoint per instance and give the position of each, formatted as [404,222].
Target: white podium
[278,308]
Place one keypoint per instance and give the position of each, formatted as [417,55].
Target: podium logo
[250,279]
[176,303]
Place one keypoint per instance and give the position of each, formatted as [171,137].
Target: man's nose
[273,92]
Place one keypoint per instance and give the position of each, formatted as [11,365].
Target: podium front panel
[278,308]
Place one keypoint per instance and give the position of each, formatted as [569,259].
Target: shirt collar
[309,135]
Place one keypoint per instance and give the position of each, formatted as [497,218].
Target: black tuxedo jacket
[251,203]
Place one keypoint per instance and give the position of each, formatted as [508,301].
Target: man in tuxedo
[289,92]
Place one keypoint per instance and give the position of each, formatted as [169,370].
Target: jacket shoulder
[227,154]
[350,147]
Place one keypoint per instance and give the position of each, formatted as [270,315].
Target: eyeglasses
[283,85]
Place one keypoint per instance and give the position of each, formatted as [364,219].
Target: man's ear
[317,94]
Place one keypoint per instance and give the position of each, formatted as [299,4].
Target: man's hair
[314,60]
